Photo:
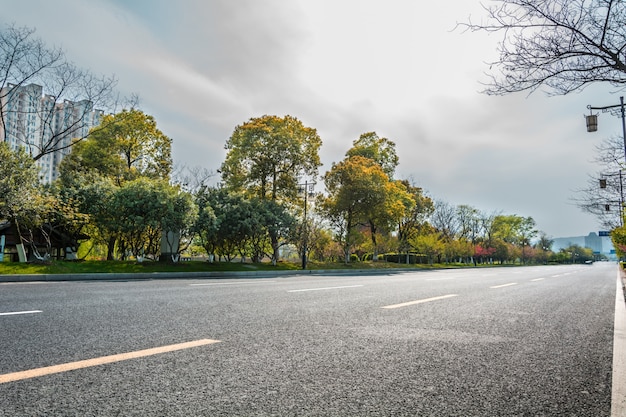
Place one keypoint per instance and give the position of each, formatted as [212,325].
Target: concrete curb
[618,394]
[192,275]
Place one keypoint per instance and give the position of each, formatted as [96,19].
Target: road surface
[532,341]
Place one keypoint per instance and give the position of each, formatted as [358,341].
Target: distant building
[600,243]
[30,119]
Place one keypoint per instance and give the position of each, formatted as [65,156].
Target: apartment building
[40,124]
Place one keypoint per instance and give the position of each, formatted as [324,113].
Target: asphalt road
[534,341]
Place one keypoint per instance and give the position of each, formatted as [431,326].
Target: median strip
[424,300]
[71,366]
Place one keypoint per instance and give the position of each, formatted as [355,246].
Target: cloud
[344,68]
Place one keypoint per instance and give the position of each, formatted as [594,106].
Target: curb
[618,392]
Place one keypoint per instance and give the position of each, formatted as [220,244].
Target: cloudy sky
[344,67]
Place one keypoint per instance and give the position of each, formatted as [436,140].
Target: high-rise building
[40,124]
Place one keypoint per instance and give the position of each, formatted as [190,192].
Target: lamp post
[592,119]
[307,188]
[592,126]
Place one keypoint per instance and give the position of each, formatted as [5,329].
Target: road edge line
[618,384]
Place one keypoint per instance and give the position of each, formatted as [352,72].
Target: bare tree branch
[562,45]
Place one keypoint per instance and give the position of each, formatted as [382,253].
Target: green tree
[354,186]
[19,182]
[128,144]
[266,158]
[430,245]
[144,210]
[415,218]
[380,150]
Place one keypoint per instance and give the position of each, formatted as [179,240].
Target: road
[533,341]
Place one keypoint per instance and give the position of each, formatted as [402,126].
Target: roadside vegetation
[120,202]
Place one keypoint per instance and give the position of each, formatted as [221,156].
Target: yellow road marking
[425,300]
[48,370]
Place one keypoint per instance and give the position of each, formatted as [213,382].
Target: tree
[126,146]
[19,183]
[27,68]
[135,140]
[360,193]
[444,219]
[380,150]
[429,244]
[415,218]
[267,156]
[144,210]
[563,45]
[604,191]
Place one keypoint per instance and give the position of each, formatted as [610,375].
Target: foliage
[144,209]
[19,182]
[380,150]
[125,146]
[563,45]
[267,156]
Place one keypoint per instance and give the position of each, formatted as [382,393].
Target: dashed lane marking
[424,300]
[537,279]
[326,288]
[504,285]
[71,366]
[15,313]
[213,284]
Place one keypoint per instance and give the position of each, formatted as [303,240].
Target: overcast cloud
[344,67]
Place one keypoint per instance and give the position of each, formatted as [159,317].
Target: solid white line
[618,394]
[537,279]
[15,313]
[326,288]
[504,285]
[425,300]
[55,369]
[228,283]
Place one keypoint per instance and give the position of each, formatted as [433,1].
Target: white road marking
[441,279]
[228,283]
[504,285]
[55,369]
[537,279]
[326,288]
[424,300]
[15,313]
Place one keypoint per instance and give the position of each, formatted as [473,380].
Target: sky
[343,67]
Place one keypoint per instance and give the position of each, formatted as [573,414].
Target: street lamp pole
[308,188]
[592,119]
[592,126]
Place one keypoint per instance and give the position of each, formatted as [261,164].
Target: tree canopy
[268,155]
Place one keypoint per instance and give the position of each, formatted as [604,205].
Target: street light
[592,126]
[307,188]
[592,119]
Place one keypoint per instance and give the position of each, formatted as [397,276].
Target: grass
[88,267]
